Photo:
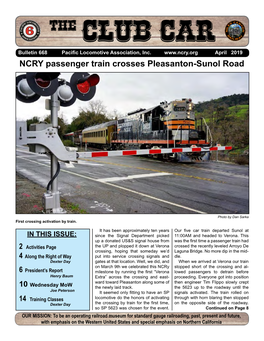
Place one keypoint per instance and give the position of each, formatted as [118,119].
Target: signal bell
[83,85]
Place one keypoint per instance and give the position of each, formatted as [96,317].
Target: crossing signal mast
[29,88]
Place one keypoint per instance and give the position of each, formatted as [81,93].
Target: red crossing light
[43,83]
[83,85]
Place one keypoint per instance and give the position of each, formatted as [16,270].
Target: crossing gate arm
[149,151]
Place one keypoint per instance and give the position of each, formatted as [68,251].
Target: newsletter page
[134,210]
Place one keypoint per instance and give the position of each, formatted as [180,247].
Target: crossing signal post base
[51,203]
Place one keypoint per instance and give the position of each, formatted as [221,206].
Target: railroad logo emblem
[235,30]
[29,30]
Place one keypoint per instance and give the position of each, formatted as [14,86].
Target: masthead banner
[156,31]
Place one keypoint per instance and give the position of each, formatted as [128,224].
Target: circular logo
[29,30]
[235,30]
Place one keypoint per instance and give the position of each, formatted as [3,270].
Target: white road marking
[227,174]
[26,172]
[131,177]
[102,205]
[124,189]
[44,160]
[87,163]
[69,165]
[26,151]
[33,176]
[136,192]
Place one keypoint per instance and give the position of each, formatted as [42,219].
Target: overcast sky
[125,92]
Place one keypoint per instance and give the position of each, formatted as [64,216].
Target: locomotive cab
[179,117]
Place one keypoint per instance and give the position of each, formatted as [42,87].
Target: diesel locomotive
[167,125]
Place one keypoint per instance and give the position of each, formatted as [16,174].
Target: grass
[72,208]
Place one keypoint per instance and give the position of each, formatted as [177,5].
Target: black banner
[133,53]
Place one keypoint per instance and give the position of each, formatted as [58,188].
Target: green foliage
[61,123]
[68,143]
[94,114]
[229,101]
[72,208]
[228,119]
[33,120]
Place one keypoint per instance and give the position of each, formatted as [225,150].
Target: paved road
[142,185]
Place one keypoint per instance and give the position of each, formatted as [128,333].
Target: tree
[62,129]
[240,132]
[97,107]
[94,114]
[33,120]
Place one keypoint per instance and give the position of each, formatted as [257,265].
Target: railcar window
[147,117]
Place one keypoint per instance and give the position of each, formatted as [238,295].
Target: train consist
[167,125]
